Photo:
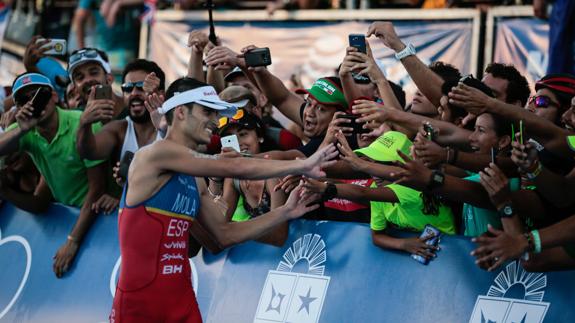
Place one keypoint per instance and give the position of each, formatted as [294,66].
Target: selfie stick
[212,36]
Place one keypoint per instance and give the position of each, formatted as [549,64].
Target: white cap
[205,96]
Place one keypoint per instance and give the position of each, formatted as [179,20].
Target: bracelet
[536,241]
[531,175]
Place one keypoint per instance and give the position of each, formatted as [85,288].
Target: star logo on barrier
[306,301]
[279,296]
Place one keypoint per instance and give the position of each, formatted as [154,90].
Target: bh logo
[515,297]
[290,296]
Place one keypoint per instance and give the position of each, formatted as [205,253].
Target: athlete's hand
[288,183]
[324,157]
[299,203]
[64,257]
[106,204]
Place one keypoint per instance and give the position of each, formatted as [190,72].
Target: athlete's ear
[180,112]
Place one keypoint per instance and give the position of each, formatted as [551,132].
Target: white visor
[205,96]
[105,65]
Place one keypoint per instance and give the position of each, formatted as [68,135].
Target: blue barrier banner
[326,272]
[315,49]
[523,42]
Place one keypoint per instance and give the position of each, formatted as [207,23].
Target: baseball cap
[571,142]
[86,55]
[29,79]
[326,91]
[233,73]
[205,96]
[562,85]
[238,95]
[243,119]
[384,148]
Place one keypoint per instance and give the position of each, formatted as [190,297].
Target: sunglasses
[128,87]
[84,53]
[542,101]
[235,119]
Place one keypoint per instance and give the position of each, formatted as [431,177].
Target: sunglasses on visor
[225,120]
[84,53]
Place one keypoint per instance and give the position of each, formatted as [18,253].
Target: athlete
[163,198]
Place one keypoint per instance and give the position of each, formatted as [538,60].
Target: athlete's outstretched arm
[230,233]
[167,156]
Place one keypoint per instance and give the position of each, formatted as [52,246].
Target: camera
[258,57]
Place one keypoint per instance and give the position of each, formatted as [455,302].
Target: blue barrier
[326,272]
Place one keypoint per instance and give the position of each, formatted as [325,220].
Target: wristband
[531,175]
[536,241]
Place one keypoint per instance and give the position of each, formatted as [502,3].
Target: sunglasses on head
[542,101]
[225,120]
[84,53]
[128,87]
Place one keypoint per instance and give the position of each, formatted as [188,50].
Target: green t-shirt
[58,161]
[240,214]
[408,214]
[475,220]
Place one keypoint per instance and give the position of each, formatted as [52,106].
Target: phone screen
[358,41]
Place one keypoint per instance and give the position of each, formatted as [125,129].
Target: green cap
[325,91]
[384,148]
[571,142]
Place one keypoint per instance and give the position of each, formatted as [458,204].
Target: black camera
[258,57]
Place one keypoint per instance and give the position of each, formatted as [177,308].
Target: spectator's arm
[101,145]
[557,189]
[287,102]
[81,15]
[413,245]
[67,252]
[426,80]
[197,41]
[37,202]
[9,141]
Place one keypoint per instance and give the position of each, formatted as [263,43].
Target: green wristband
[536,241]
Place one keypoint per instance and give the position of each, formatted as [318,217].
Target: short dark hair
[148,67]
[518,87]
[501,125]
[445,71]
[178,86]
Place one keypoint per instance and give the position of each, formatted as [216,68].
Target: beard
[142,118]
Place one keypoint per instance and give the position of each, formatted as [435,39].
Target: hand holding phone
[58,47]
[357,127]
[428,231]
[230,141]
[429,131]
[125,165]
[40,100]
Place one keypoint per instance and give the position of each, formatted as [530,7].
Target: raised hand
[496,184]
[321,159]
[372,113]
[300,203]
[152,103]
[385,31]
[151,83]
[430,153]
[198,40]
[34,52]
[25,117]
[97,110]
[224,58]
[469,98]
[414,174]
[493,251]
[524,156]
[346,153]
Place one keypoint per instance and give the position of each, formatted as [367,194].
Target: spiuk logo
[288,296]
[498,307]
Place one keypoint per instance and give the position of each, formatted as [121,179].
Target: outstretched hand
[324,157]
[493,251]
[496,184]
[414,174]
[300,202]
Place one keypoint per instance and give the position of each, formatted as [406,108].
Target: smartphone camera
[258,57]
[357,127]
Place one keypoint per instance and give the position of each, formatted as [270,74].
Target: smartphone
[427,231]
[231,142]
[358,41]
[357,127]
[125,164]
[58,47]
[258,57]
[493,155]
[429,131]
[103,92]
[40,100]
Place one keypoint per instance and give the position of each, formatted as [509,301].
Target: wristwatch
[437,179]
[506,211]
[407,51]
[330,192]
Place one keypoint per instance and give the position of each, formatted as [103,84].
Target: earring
[261,140]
